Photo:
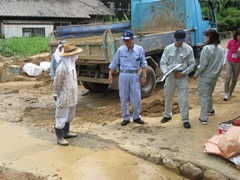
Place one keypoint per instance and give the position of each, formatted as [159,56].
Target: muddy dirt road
[29,144]
[28,148]
[104,149]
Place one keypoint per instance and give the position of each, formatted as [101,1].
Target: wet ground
[88,158]
[28,147]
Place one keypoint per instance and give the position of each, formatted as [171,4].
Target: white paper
[162,77]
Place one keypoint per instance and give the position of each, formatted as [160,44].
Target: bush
[229,15]
[228,24]
[237,19]
[222,26]
[230,12]
[231,3]
[24,46]
[231,24]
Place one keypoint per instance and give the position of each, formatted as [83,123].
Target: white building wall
[11,30]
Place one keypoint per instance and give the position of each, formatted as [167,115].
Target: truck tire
[97,86]
[85,85]
[149,87]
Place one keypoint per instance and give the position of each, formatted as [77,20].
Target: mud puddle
[22,152]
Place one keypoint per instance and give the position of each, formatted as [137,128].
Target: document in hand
[162,77]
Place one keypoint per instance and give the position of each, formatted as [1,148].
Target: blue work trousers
[129,90]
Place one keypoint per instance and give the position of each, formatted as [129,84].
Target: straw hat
[70,49]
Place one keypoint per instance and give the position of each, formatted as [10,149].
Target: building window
[30,32]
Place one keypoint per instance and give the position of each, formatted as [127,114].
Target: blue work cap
[127,34]
[179,35]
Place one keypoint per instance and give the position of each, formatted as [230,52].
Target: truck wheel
[149,87]
[85,85]
[97,86]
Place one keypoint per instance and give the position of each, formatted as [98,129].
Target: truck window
[207,12]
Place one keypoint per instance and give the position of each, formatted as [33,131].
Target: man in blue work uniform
[174,54]
[129,58]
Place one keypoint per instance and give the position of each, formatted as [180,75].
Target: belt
[130,71]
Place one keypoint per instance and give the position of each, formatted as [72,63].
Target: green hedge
[229,15]
[229,24]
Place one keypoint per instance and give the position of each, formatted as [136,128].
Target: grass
[23,46]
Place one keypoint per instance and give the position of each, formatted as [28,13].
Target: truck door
[204,17]
[208,14]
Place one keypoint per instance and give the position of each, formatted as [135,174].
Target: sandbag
[226,145]
[45,65]
[211,146]
[229,144]
[32,69]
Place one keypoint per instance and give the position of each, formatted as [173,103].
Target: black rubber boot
[67,133]
[60,140]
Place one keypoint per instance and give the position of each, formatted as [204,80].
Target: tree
[229,15]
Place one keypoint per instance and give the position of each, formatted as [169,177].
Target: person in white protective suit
[65,89]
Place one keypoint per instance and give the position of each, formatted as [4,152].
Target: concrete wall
[10,30]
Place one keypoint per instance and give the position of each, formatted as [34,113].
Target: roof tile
[53,8]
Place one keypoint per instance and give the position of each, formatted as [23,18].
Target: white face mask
[75,57]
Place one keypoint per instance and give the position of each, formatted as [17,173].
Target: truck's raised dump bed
[100,49]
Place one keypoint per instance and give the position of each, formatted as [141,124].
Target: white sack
[45,65]
[32,69]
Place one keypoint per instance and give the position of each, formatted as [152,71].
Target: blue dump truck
[153,23]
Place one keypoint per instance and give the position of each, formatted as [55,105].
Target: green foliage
[125,17]
[231,3]
[1,36]
[229,24]
[112,19]
[205,12]
[230,12]
[24,46]
[222,25]
[229,15]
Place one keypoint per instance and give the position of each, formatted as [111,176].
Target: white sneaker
[205,122]
[225,98]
